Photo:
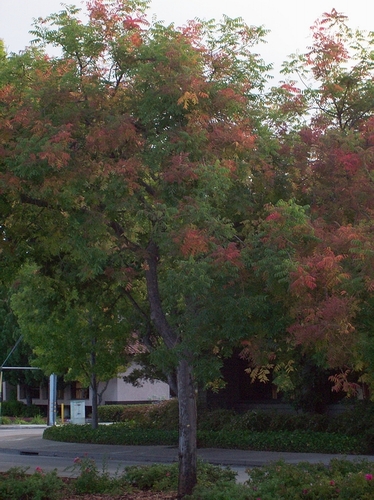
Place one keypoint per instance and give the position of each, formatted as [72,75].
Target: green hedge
[163,415]
[350,432]
[297,441]
[355,421]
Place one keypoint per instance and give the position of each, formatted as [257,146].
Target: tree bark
[95,420]
[28,395]
[185,380]
[93,383]
[187,430]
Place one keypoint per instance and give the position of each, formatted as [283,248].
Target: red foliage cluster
[231,253]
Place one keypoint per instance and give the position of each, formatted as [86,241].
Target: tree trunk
[28,395]
[187,430]
[185,381]
[93,383]
[95,419]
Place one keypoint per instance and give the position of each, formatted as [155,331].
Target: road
[20,447]
[24,446]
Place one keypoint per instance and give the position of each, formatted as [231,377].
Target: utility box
[78,411]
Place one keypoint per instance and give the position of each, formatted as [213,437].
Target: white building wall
[117,391]
[120,391]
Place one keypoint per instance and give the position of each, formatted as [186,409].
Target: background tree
[322,126]
[22,354]
[76,330]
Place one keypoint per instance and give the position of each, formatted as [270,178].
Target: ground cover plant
[342,479]
[83,479]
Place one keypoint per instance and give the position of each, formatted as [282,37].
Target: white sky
[288,20]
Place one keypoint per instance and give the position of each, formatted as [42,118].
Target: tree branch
[157,314]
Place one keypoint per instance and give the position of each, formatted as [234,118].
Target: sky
[288,20]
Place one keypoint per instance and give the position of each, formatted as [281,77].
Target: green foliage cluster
[356,420]
[293,441]
[89,479]
[164,477]
[281,481]
[349,432]
[120,433]
[16,484]
[16,408]
[342,479]
[163,415]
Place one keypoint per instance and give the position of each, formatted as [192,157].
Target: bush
[355,420]
[16,408]
[123,413]
[343,479]
[351,432]
[296,441]
[111,434]
[89,479]
[17,485]
[217,420]
[164,477]
[13,408]
[163,415]
[31,411]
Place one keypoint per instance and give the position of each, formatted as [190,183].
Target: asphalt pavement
[27,441]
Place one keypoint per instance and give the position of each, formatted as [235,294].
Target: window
[78,391]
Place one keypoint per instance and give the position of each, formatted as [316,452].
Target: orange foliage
[193,242]
[230,254]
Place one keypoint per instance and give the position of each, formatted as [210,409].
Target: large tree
[124,156]
[322,260]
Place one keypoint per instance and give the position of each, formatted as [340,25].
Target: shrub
[16,408]
[343,480]
[31,411]
[223,492]
[355,419]
[163,415]
[38,420]
[13,408]
[111,434]
[217,420]
[6,420]
[257,421]
[89,479]
[296,441]
[164,477]
[17,485]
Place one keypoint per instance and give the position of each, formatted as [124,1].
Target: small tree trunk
[28,395]
[187,430]
[95,419]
